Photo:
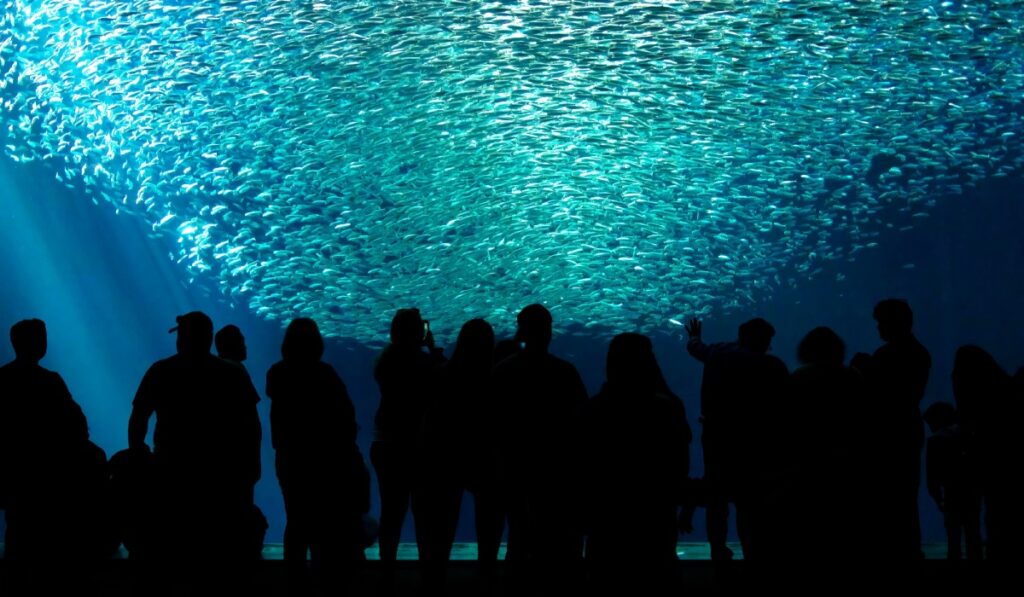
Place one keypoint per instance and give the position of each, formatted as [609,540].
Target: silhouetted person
[741,393]
[52,478]
[406,376]
[1008,548]
[897,375]
[230,344]
[636,440]
[952,481]
[206,448]
[321,472]
[460,454]
[990,417]
[829,473]
[539,399]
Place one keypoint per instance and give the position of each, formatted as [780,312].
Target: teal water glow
[627,163]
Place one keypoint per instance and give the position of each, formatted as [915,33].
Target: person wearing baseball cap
[206,454]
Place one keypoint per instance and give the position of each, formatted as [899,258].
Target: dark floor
[695,575]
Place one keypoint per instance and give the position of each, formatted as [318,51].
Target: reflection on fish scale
[626,163]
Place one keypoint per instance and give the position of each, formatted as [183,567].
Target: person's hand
[693,328]
[428,340]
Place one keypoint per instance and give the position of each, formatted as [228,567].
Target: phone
[426,328]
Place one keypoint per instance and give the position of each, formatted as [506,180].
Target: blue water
[109,293]
[627,166]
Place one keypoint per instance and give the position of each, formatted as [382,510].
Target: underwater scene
[630,165]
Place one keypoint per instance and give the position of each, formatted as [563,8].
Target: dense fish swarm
[626,163]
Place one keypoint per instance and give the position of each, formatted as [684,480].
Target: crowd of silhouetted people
[821,466]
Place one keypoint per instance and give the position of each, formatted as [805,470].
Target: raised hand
[693,328]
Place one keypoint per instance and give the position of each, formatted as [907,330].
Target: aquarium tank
[628,164]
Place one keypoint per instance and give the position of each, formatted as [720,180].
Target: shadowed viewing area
[519,297]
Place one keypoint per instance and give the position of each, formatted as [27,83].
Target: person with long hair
[323,479]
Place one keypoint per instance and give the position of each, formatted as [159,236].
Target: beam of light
[629,164]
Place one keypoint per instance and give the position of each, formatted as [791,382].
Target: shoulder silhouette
[322,474]
[459,455]
[897,375]
[540,397]
[636,469]
[406,373]
[206,454]
[741,393]
[52,478]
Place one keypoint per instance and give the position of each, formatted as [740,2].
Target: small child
[951,482]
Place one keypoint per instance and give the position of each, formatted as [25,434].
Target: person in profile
[319,467]
[897,375]
[460,454]
[406,375]
[951,481]
[636,442]
[52,478]
[230,344]
[539,398]
[206,454]
[740,396]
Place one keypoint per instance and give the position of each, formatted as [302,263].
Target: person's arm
[436,352]
[276,418]
[143,408]
[933,465]
[681,436]
[695,345]
[74,418]
[346,411]
[253,428]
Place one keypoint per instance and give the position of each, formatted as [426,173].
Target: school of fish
[627,163]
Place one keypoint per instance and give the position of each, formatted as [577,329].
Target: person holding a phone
[405,373]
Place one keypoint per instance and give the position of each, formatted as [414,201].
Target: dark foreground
[692,576]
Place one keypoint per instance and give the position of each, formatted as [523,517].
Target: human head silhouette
[28,337]
[821,346]
[631,362]
[979,382]
[230,344]
[195,333]
[407,328]
[302,341]
[756,335]
[475,343]
[895,319]
[534,328]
